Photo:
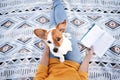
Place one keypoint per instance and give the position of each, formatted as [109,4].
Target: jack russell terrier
[57,40]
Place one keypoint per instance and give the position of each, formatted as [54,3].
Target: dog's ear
[61,26]
[41,33]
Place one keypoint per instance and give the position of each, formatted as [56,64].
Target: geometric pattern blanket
[21,51]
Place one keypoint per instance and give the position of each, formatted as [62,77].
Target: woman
[73,68]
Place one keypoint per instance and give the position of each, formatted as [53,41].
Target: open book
[99,39]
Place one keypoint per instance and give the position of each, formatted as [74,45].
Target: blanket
[21,50]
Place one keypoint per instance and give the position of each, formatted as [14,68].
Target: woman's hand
[45,57]
[89,52]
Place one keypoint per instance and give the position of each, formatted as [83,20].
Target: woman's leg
[58,14]
[75,54]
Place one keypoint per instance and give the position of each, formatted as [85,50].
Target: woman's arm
[45,57]
[85,64]
[83,70]
[42,71]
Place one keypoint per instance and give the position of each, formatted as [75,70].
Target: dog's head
[54,37]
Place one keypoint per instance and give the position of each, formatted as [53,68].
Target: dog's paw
[62,59]
[67,35]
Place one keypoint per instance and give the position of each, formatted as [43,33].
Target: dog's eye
[49,42]
[58,39]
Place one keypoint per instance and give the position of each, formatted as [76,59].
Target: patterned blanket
[21,51]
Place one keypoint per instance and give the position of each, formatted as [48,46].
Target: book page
[99,39]
[102,44]
[91,36]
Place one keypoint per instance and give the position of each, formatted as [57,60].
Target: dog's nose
[55,50]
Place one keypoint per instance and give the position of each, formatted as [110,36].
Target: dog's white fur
[64,47]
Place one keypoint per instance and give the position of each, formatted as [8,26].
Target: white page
[102,44]
[99,39]
[91,36]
